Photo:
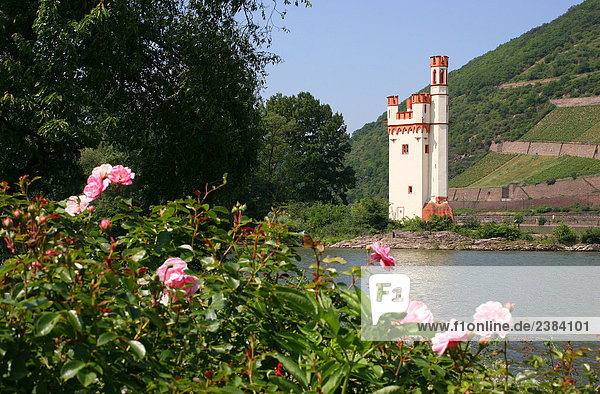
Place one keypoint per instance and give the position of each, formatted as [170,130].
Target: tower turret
[418,149]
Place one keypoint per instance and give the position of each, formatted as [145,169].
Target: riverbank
[447,240]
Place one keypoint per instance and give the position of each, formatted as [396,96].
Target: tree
[316,148]
[173,84]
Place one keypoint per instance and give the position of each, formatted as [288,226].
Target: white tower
[418,149]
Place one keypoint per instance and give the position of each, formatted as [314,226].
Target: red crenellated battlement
[421,98]
[404,115]
[392,100]
[439,61]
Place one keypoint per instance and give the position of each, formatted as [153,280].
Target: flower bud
[17,213]
[7,222]
[42,219]
[105,223]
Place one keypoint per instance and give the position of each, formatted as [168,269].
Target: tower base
[439,209]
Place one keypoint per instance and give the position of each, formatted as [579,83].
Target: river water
[545,300]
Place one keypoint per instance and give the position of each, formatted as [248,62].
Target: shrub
[539,210]
[518,219]
[82,311]
[439,223]
[504,230]
[591,236]
[565,234]
[371,213]
[471,222]
[550,181]
[542,220]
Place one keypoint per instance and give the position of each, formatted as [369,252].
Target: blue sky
[353,54]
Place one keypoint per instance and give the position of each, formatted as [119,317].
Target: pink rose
[77,204]
[7,222]
[95,186]
[381,254]
[102,170]
[172,274]
[442,341]
[34,266]
[104,224]
[417,312]
[488,314]
[122,175]
[188,283]
[171,266]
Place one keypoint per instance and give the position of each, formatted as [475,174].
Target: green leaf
[389,390]
[333,381]
[293,369]
[311,334]
[297,300]
[285,385]
[17,369]
[75,320]
[138,348]
[138,256]
[46,323]
[163,237]
[71,368]
[331,317]
[86,377]
[103,339]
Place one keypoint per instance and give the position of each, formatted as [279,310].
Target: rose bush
[81,310]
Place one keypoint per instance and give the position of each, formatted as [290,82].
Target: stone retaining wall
[584,191]
[576,101]
[547,148]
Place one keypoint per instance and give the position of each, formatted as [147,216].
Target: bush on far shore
[565,234]
[591,236]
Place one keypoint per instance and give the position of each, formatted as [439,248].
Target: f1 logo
[388,293]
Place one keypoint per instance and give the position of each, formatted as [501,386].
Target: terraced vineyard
[517,170]
[500,169]
[568,124]
[488,164]
[565,167]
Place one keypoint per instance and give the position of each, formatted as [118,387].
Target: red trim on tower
[439,209]
[438,61]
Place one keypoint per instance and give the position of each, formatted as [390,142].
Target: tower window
[405,149]
[410,190]
[434,78]
[427,148]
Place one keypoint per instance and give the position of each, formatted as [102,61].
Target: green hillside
[581,124]
[567,48]
[488,164]
[368,143]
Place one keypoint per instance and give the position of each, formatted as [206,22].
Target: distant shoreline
[447,240]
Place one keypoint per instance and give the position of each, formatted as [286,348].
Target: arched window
[434,77]
[418,130]
[441,76]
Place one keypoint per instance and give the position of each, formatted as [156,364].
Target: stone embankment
[563,193]
[447,240]
[547,148]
